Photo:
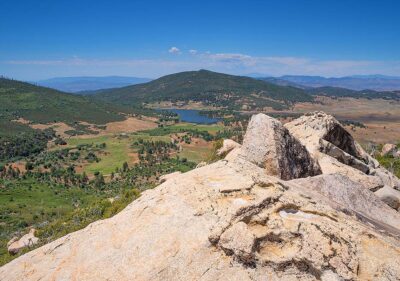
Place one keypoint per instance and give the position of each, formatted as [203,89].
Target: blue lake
[193,116]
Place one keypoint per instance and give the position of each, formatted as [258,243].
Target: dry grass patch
[354,109]
[59,127]
[130,125]
[22,121]
[377,132]
[197,151]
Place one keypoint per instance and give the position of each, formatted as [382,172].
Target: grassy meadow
[27,203]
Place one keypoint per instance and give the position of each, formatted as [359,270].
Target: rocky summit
[300,201]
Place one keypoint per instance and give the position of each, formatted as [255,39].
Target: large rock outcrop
[230,220]
[269,145]
[336,151]
[319,131]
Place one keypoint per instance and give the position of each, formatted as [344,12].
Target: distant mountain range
[343,92]
[89,83]
[356,82]
[335,91]
[283,82]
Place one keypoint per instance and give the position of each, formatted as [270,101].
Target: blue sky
[42,39]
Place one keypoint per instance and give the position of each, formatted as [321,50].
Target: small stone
[227,146]
[28,240]
[389,149]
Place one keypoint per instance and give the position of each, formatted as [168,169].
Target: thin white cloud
[89,62]
[174,50]
[230,57]
[35,62]
[281,65]
[234,63]
[288,60]
[193,52]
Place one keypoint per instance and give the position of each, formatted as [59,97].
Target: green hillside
[210,88]
[44,105]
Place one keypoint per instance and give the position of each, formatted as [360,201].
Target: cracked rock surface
[230,220]
[194,228]
[269,145]
[336,151]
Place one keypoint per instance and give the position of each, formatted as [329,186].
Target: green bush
[213,155]
[81,217]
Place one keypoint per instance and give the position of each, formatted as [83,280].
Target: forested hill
[45,105]
[210,88]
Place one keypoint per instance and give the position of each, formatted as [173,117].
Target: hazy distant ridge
[356,82]
[90,83]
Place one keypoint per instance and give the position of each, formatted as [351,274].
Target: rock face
[390,196]
[28,240]
[337,152]
[354,197]
[316,130]
[270,145]
[230,220]
[166,177]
